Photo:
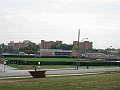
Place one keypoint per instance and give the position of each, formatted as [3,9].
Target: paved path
[14,72]
[6,68]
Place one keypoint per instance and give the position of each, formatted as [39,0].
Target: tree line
[33,48]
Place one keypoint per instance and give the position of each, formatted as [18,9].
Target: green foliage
[119,52]
[31,49]
[105,51]
[6,48]
[62,46]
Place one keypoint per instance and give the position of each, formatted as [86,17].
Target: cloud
[60,19]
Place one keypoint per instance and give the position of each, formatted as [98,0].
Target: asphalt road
[9,71]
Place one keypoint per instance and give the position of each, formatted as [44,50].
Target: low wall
[98,63]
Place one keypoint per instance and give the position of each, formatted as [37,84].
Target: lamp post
[110,50]
[82,53]
[4,65]
[1,56]
[0,52]
[78,51]
[83,39]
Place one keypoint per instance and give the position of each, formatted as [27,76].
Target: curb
[54,75]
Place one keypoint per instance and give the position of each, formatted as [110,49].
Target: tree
[6,48]
[31,49]
[56,46]
[62,46]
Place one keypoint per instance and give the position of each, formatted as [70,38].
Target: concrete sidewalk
[14,73]
[6,68]
[56,72]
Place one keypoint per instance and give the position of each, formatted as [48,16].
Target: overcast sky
[98,20]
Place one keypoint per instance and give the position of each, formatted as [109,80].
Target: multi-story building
[45,49]
[19,45]
[86,45]
[48,44]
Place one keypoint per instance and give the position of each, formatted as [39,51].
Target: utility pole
[78,47]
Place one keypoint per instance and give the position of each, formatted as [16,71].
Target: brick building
[19,45]
[48,44]
[86,45]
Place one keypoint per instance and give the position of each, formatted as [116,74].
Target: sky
[51,20]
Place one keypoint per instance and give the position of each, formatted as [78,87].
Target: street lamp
[110,52]
[1,52]
[110,49]
[79,48]
[78,51]
[83,39]
[4,64]
[2,56]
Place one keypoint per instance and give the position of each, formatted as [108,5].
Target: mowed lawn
[42,59]
[107,81]
[29,67]
[52,59]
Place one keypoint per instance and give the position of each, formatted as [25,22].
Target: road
[9,71]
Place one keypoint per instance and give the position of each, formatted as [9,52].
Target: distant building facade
[48,44]
[55,52]
[100,56]
[86,45]
[19,45]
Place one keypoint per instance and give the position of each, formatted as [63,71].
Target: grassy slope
[109,81]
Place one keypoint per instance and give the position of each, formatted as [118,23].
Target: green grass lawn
[107,81]
[52,59]
[29,67]
[47,59]
[41,59]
